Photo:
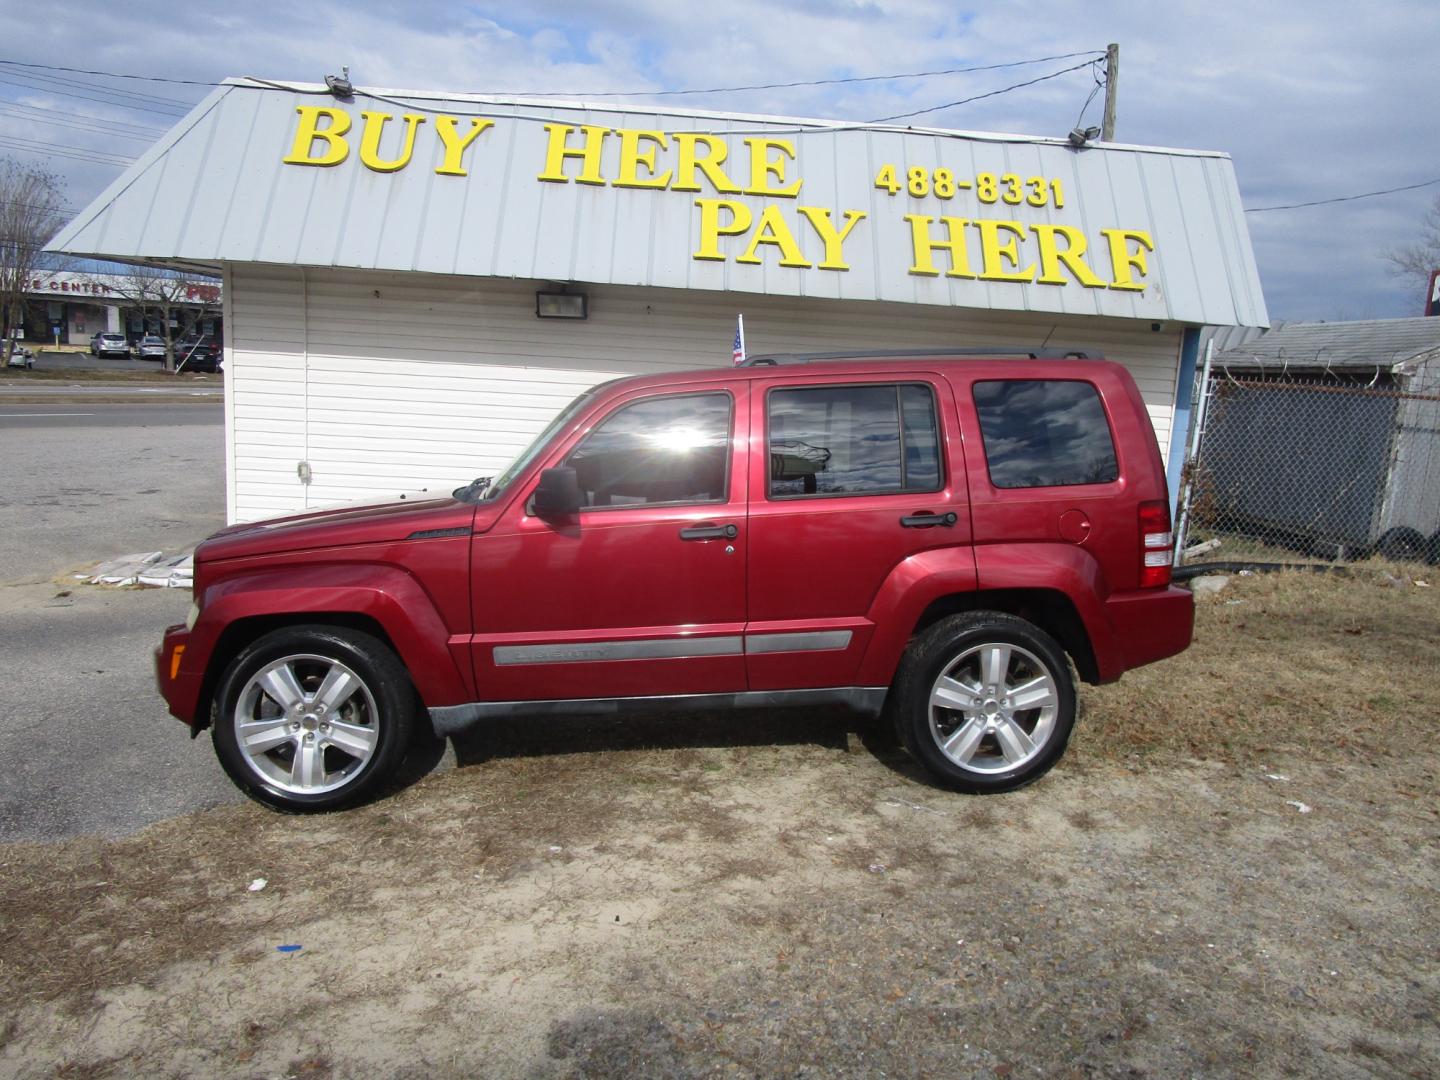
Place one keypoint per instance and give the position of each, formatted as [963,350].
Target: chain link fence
[1322,467]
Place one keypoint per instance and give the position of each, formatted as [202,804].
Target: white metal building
[382,257]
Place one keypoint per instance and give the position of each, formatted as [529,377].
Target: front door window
[657,452]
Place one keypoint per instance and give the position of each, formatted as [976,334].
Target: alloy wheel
[306,724]
[993,708]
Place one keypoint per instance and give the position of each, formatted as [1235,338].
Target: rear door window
[1045,433]
[853,440]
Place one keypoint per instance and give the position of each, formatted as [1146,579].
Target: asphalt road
[89,482]
[85,742]
[126,415]
[47,360]
[82,398]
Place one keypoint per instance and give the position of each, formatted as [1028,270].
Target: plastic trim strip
[867,700]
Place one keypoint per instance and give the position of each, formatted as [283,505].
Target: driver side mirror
[558,493]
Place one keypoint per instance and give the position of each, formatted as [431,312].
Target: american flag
[737,354]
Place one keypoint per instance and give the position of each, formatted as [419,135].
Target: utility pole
[1112,86]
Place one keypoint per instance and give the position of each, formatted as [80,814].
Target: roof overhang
[487,186]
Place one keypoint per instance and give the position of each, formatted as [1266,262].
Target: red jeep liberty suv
[938,536]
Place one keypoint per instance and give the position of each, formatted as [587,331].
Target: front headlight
[191,616]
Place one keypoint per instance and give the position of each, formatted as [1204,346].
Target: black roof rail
[775,359]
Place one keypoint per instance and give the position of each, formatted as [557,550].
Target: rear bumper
[176,677]
[1148,625]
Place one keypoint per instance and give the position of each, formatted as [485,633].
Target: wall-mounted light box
[560,305]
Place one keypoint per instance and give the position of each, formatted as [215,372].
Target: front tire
[313,718]
[985,701]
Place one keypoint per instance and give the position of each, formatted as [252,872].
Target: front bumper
[178,676]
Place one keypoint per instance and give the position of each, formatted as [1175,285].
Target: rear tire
[1403,544]
[313,718]
[985,701]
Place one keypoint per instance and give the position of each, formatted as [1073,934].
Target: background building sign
[68,283]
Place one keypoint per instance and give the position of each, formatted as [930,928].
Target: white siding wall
[388,382]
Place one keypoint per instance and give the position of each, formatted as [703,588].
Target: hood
[401,518]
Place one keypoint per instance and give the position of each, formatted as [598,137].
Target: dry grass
[1323,666]
[130,907]
[129,376]
[1235,548]
[679,897]
[1308,663]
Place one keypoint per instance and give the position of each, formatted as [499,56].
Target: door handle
[926,520]
[710,532]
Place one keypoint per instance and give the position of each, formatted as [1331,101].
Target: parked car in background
[948,539]
[150,347]
[198,354]
[105,344]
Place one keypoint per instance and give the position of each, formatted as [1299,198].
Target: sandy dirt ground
[1212,883]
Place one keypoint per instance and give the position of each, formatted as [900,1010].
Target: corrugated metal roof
[214,190]
[1386,344]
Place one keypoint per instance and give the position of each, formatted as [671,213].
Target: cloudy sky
[1312,100]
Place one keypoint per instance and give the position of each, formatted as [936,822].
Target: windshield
[489,491]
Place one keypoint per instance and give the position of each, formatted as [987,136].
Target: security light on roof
[340,85]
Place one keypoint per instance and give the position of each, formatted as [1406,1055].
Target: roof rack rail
[775,359]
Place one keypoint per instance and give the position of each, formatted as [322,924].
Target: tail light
[1155,541]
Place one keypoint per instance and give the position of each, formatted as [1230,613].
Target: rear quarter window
[1045,433]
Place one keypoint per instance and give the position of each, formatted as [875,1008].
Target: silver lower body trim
[814,641]
[450,719]
[644,649]
[672,647]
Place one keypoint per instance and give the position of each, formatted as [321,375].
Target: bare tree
[173,300]
[1414,262]
[31,212]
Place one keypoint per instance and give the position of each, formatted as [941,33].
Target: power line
[77,125]
[101,88]
[109,74]
[36,146]
[981,97]
[788,85]
[61,208]
[57,116]
[1092,54]
[1343,198]
[1099,85]
[173,115]
[772,127]
[98,87]
[1091,58]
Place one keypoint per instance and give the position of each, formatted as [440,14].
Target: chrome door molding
[808,641]
[669,648]
[645,649]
